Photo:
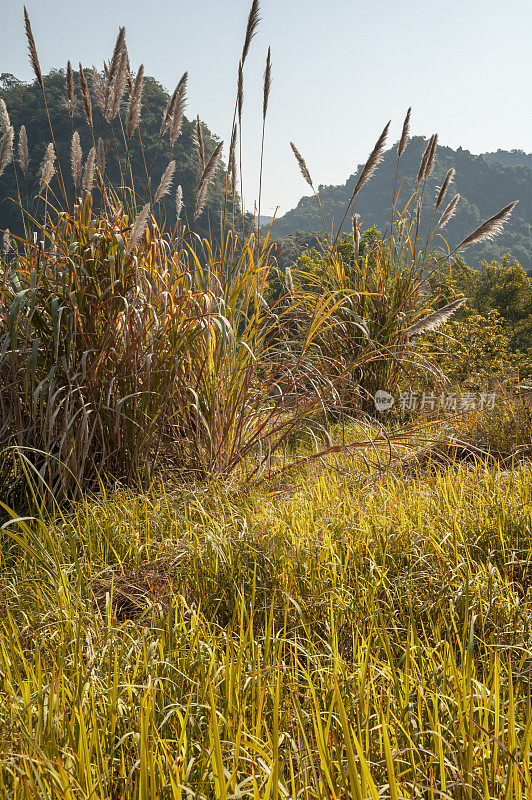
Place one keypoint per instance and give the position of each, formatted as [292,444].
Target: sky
[340,70]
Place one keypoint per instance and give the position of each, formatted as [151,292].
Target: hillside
[25,107]
[484,188]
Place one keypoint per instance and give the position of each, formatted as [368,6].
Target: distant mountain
[510,158]
[486,184]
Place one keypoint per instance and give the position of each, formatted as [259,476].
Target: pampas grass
[98,88]
[373,162]
[403,141]
[70,98]
[5,122]
[6,148]
[135,103]
[178,109]
[448,212]
[431,157]
[138,229]
[253,21]
[198,141]
[165,183]
[33,50]
[302,165]
[23,152]
[76,156]
[206,178]
[489,229]
[435,320]
[47,170]
[88,174]
[179,201]
[85,96]
[445,185]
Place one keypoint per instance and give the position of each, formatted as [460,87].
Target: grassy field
[336,634]
[231,581]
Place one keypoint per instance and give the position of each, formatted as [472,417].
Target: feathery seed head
[251,28]
[4,117]
[70,98]
[23,152]
[302,165]
[267,84]
[87,105]
[76,157]
[179,201]
[135,102]
[448,212]
[445,185]
[489,229]
[403,141]
[88,174]
[165,183]
[198,140]
[6,148]
[33,50]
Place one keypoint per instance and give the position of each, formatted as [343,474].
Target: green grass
[333,635]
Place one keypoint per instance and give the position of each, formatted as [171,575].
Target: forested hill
[510,158]
[25,107]
[484,188]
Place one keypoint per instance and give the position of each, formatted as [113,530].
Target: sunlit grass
[327,636]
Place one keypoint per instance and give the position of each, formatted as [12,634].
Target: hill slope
[484,188]
[25,107]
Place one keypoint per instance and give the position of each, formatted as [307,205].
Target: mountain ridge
[485,183]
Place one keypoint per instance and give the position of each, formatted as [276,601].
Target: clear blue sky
[341,69]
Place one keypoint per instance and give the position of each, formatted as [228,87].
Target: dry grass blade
[85,96]
[206,178]
[445,185]
[302,165]
[166,182]
[198,141]
[403,141]
[267,84]
[433,321]
[138,229]
[33,50]
[489,229]
[373,161]
[76,156]
[70,98]
[6,148]
[251,29]
[135,102]
[448,212]
[23,152]
[5,122]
